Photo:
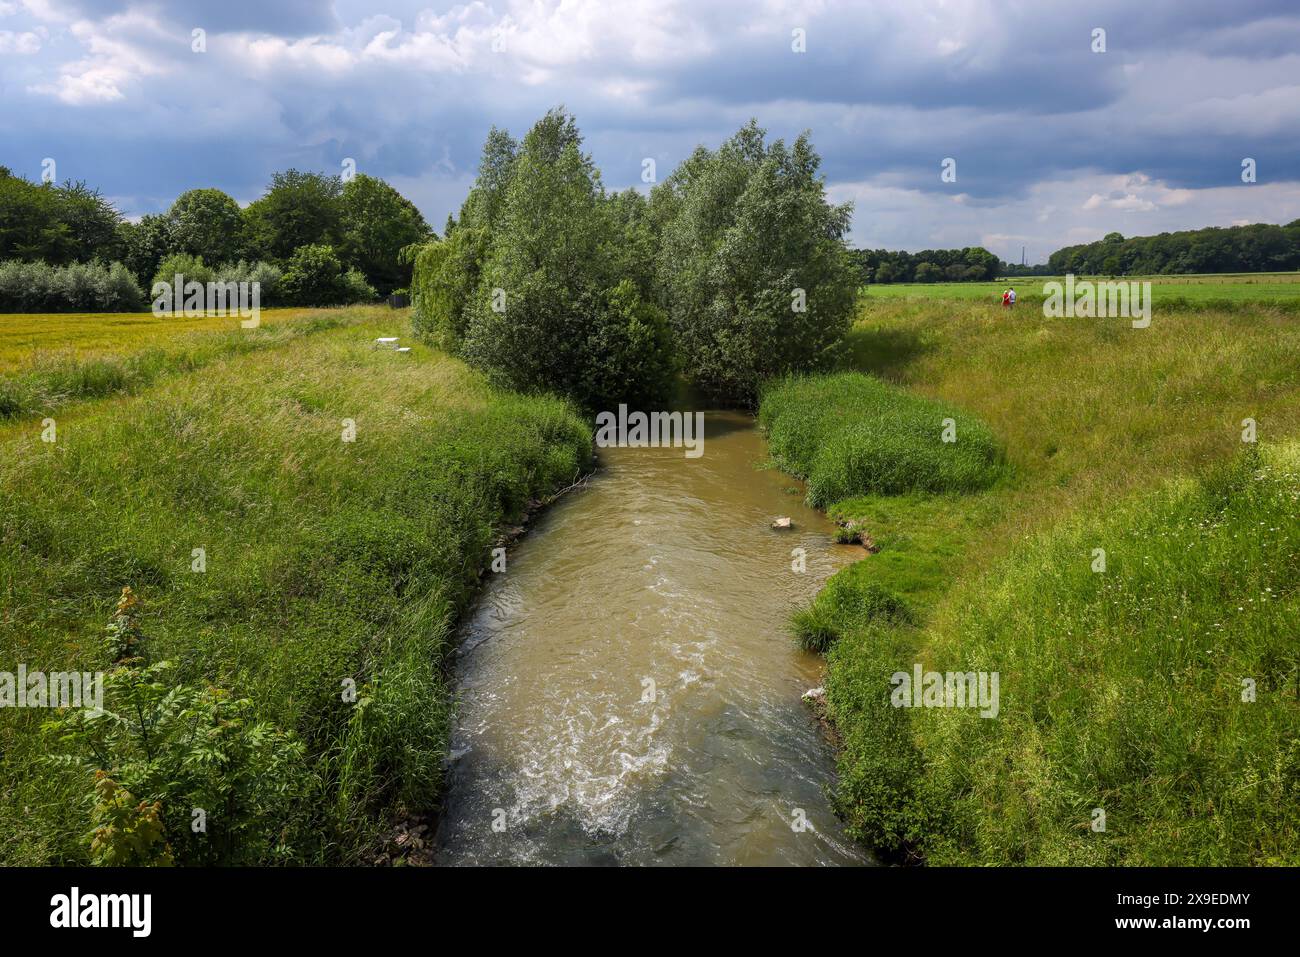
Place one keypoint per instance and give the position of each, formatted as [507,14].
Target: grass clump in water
[850,600]
[851,434]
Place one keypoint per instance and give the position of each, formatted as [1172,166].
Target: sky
[1059,134]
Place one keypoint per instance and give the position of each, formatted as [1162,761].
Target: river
[628,690]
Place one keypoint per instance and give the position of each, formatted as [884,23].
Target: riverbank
[1101,696]
[301,527]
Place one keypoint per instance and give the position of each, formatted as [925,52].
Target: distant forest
[1259,247]
[1256,248]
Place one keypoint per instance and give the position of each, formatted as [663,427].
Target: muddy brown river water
[628,690]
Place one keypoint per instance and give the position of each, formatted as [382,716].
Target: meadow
[1242,288]
[299,525]
[300,519]
[26,337]
[1123,688]
[52,362]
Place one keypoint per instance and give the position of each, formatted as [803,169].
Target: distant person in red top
[1006,299]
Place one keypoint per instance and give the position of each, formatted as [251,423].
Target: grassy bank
[1120,690]
[331,561]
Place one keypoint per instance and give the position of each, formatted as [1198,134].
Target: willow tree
[752,263]
[542,282]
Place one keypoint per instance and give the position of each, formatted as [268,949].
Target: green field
[329,562]
[1243,287]
[1120,690]
[26,338]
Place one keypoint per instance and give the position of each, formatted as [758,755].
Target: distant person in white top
[1013,297]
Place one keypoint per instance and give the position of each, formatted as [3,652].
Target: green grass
[24,337]
[1121,690]
[72,371]
[326,560]
[852,434]
[851,600]
[1221,291]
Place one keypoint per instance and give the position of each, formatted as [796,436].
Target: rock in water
[782,522]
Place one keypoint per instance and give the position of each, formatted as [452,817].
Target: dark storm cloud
[1147,131]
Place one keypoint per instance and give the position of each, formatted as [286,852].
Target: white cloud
[19,44]
[112,64]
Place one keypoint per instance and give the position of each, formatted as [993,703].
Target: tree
[143,245]
[92,222]
[753,265]
[205,223]
[928,272]
[31,222]
[299,209]
[376,224]
[315,276]
[551,309]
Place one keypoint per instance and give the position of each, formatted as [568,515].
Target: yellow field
[24,336]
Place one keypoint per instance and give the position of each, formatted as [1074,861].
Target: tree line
[1259,247]
[313,238]
[971,264]
[732,271]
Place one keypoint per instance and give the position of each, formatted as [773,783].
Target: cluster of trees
[734,270]
[310,225]
[1259,247]
[1016,269]
[974,263]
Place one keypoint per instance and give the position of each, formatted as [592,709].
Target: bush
[189,755]
[314,276]
[444,274]
[78,287]
[851,434]
[630,349]
[267,275]
[189,268]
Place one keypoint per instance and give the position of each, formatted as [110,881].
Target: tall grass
[852,434]
[326,560]
[1121,690]
[1162,690]
[52,380]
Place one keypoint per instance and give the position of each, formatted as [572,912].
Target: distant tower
[1022,255]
